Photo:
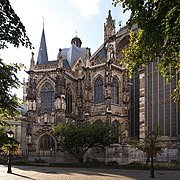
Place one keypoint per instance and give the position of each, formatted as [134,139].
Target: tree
[3,136]
[157,40]
[77,139]
[150,146]
[11,148]
[11,31]
[4,146]
[9,103]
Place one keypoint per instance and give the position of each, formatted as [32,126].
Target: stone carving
[63,103]
[58,103]
[39,119]
[59,58]
[29,105]
[34,105]
[29,140]
[45,118]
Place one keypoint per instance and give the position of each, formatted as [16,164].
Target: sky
[63,20]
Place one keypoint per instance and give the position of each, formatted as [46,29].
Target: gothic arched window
[47,97]
[115,91]
[47,142]
[68,101]
[115,131]
[98,91]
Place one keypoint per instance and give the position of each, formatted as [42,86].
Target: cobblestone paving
[58,173]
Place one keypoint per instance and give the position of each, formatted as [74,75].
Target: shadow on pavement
[23,176]
[111,173]
[22,171]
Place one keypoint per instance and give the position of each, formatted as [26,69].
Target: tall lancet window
[68,101]
[47,97]
[115,91]
[98,91]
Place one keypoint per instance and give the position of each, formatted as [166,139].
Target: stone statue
[30,105]
[34,105]
[59,58]
[58,103]
[63,103]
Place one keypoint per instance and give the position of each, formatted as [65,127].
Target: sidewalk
[59,173]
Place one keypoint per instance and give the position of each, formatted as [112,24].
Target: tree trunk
[147,159]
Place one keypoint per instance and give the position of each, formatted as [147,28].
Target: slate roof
[73,54]
[69,55]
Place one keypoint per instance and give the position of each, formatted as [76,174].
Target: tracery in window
[68,101]
[47,142]
[47,97]
[115,91]
[98,91]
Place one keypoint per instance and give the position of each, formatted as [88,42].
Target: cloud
[86,8]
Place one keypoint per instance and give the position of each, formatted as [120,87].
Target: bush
[39,160]
[137,165]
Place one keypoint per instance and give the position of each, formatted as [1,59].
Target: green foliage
[11,148]
[158,39]
[150,145]
[6,147]
[9,103]
[12,30]
[78,139]
[3,136]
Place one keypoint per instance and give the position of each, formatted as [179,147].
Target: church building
[79,87]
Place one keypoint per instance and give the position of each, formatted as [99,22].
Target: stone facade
[71,84]
[79,87]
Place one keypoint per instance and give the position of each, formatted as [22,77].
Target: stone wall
[169,155]
[121,154]
[116,153]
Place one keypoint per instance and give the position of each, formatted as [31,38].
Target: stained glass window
[115,91]
[47,97]
[47,142]
[98,91]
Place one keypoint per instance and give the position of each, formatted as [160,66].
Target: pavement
[59,173]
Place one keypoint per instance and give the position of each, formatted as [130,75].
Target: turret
[76,41]
[109,27]
[32,62]
[88,54]
[59,58]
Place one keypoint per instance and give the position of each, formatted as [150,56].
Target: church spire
[42,55]
[109,27]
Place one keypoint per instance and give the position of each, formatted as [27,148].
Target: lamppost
[152,135]
[10,135]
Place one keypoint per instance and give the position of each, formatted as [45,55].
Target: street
[59,173]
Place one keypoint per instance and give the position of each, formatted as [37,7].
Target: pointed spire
[42,55]
[88,54]
[109,27]
[109,17]
[59,58]
[32,62]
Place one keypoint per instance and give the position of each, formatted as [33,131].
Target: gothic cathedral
[80,87]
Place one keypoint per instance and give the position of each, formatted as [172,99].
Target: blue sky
[62,18]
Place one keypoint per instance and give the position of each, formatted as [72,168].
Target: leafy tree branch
[158,37]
